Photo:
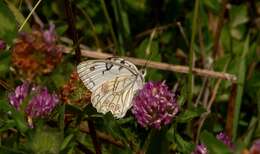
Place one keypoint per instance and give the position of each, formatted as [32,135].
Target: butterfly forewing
[94,72]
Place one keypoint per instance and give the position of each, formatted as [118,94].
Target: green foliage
[45,141]
[8,27]
[214,145]
[178,32]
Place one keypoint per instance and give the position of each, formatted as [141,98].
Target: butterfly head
[143,71]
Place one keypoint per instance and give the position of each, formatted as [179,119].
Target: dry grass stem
[162,66]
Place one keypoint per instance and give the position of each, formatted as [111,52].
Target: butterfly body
[113,83]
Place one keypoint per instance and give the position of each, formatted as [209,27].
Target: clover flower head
[41,103]
[225,139]
[154,105]
[20,93]
[49,35]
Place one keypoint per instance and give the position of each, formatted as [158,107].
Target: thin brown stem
[221,19]
[205,115]
[162,66]
[210,103]
[72,28]
[93,135]
[231,110]
[103,136]
[158,28]
[5,85]
[84,149]
[183,33]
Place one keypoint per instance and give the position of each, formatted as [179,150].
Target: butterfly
[113,83]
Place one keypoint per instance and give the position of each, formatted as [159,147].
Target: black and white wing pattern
[113,83]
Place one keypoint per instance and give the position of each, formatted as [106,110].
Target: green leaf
[111,125]
[240,87]
[157,142]
[66,141]
[178,143]
[190,114]
[8,27]
[11,150]
[153,54]
[8,124]
[19,118]
[238,15]
[58,79]
[5,60]
[46,141]
[213,145]
[4,106]
[18,15]
[184,146]
[214,5]
[238,32]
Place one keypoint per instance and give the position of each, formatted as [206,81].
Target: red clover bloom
[200,149]
[17,97]
[225,139]
[154,105]
[41,103]
[49,35]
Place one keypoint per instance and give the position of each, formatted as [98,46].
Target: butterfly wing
[116,95]
[94,72]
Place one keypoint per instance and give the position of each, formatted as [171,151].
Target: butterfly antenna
[147,50]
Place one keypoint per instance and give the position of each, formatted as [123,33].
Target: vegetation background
[216,35]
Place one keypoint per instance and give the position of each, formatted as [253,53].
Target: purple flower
[42,103]
[154,105]
[200,149]
[2,44]
[50,35]
[255,148]
[17,97]
[225,139]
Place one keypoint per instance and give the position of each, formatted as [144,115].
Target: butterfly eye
[143,72]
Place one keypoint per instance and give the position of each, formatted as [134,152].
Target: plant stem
[191,53]
[219,28]
[94,33]
[72,28]
[30,14]
[148,140]
[162,66]
[240,87]
[103,5]
[93,135]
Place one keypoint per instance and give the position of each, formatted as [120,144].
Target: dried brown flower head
[74,92]
[36,53]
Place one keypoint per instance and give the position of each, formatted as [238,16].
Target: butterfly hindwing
[113,83]
[115,95]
